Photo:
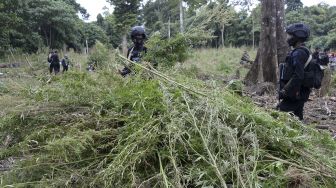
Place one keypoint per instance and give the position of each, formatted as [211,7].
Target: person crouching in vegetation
[292,93]
[245,59]
[65,63]
[136,52]
[55,63]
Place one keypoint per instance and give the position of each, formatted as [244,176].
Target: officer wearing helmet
[136,52]
[54,63]
[292,93]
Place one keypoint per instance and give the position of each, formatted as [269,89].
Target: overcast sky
[94,7]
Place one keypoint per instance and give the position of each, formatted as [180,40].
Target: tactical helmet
[299,31]
[138,30]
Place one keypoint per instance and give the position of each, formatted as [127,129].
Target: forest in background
[190,123]
[32,25]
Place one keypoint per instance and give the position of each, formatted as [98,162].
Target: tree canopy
[30,25]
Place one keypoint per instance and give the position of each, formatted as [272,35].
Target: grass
[219,62]
[102,130]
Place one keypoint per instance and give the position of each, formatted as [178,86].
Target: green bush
[167,52]
[3,88]
[99,55]
[101,130]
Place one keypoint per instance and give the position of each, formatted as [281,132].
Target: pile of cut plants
[102,130]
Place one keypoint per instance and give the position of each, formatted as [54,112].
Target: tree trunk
[268,47]
[325,85]
[124,44]
[264,68]
[50,37]
[253,42]
[87,47]
[64,48]
[46,37]
[169,27]
[181,17]
[281,34]
[254,74]
[222,31]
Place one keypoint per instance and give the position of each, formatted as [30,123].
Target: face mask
[138,40]
[291,41]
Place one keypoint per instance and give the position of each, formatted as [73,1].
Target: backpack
[323,58]
[313,74]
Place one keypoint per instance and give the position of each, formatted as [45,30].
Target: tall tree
[56,20]
[29,25]
[223,14]
[268,43]
[181,17]
[125,12]
[158,14]
[112,32]
[100,21]
[282,47]
[293,5]
[9,21]
[93,33]
[271,46]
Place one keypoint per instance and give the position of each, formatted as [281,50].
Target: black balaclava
[292,40]
[138,41]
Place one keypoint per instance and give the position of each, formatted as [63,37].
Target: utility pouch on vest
[286,71]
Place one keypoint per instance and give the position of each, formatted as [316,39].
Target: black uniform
[65,64]
[55,64]
[315,55]
[293,93]
[134,54]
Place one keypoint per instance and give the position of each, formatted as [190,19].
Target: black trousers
[294,106]
[65,68]
[54,66]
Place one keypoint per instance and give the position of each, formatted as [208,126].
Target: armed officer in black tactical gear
[136,52]
[292,93]
[54,63]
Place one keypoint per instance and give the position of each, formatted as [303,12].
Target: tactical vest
[287,69]
[135,55]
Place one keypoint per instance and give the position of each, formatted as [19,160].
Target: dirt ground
[318,111]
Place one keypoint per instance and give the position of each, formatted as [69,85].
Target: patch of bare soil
[319,111]
[6,165]
[322,111]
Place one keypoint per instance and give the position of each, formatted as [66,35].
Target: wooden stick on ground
[13,56]
[155,72]
[28,62]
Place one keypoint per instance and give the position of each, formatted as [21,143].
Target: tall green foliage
[293,5]
[157,15]
[125,15]
[320,19]
[29,25]
[99,55]
[167,52]
[9,20]
[101,130]
[93,33]
[125,12]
